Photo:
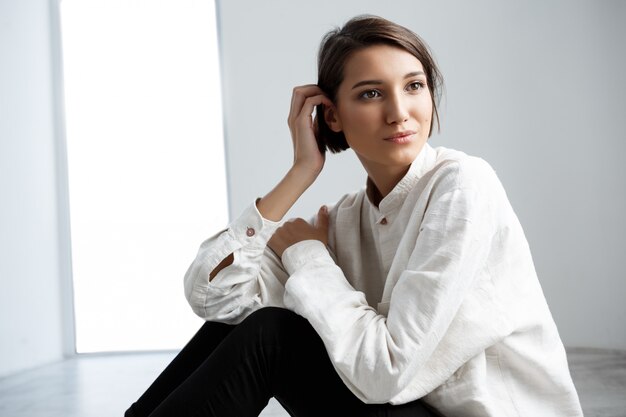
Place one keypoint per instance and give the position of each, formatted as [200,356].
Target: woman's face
[383,107]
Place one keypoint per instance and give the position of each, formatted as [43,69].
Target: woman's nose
[397,110]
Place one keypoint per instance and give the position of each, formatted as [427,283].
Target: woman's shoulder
[447,169]
[455,169]
[348,202]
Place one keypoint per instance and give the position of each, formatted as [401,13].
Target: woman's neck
[384,179]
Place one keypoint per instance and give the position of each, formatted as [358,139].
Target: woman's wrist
[275,204]
[304,174]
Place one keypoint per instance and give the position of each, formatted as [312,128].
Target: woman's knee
[211,331]
[274,317]
[277,324]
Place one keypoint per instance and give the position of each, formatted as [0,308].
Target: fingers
[304,118]
[322,218]
[301,103]
[297,229]
[300,93]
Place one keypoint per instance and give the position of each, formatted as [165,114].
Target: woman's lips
[402,137]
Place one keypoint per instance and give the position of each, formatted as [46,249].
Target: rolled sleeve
[240,287]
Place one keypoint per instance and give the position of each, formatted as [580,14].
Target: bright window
[145,163]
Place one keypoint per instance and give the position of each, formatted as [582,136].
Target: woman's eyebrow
[377,82]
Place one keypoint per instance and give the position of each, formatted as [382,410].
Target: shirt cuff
[303,252]
[251,227]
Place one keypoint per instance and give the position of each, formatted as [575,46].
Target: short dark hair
[358,33]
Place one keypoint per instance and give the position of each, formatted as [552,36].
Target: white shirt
[431,295]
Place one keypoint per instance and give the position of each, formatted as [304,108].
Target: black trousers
[233,370]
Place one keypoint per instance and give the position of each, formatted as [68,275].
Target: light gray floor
[99,386]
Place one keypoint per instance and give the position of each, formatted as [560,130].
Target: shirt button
[250,232]
[383,221]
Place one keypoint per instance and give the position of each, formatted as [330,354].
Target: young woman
[415,296]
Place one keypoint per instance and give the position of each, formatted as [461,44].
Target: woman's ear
[332,118]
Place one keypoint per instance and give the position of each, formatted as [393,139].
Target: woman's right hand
[306,153]
[308,161]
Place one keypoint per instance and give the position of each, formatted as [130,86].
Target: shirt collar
[424,161]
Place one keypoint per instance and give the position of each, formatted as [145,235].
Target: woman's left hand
[296,230]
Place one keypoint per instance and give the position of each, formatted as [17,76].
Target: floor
[99,386]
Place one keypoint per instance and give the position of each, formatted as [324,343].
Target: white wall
[30,286]
[534,88]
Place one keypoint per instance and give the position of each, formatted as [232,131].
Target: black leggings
[233,370]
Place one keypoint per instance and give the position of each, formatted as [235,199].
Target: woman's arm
[226,280]
[255,278]
[276,203]
[307,162]
[441,311]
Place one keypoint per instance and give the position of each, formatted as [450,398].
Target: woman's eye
[414,86]
[369,94]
